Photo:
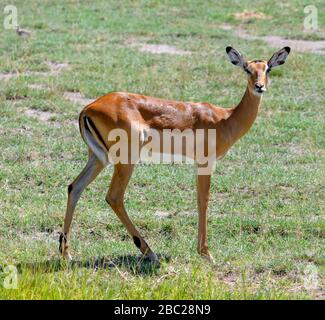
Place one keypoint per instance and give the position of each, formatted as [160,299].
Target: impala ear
[279,57]
[235,57]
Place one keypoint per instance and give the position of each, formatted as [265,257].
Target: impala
[133,112]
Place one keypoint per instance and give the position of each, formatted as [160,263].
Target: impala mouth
[259,91]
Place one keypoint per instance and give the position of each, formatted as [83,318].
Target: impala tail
[93,138]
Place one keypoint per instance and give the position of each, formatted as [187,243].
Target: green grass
[266,214]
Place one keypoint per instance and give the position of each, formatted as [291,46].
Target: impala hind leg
[87,175]
[203,194]
[115,198]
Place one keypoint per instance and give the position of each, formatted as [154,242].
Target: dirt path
[55,68]
[277,42]
[155,48]
[48,118]
[77,97]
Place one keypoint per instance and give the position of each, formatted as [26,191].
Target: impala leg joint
[137,241]
[62,240]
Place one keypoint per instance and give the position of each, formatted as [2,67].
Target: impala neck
[243,115]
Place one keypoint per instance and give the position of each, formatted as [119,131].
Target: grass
[266,214]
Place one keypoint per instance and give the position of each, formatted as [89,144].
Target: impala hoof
[67,256]
[208,256]
[152,257]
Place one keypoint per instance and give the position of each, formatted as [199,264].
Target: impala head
[258,70]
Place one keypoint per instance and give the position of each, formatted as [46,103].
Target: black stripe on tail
[91,123]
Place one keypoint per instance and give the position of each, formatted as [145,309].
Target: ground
[266,214]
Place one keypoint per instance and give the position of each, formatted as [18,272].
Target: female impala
[127,111]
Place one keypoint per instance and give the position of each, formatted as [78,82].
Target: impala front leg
[203,193]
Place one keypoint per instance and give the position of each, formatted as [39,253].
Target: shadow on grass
[135,264]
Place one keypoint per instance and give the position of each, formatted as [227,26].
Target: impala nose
[259,87]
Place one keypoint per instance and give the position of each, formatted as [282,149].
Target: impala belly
[158,128]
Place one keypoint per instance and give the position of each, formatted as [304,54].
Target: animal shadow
[135,264]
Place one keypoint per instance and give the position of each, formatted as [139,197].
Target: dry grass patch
[249,15]
[77,97]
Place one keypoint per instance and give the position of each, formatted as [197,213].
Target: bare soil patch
[278,42]
[55,69]
[167,214]
[225,26]
[37,86]
[156,48]
[296,149]
[162,48]
[298,45]
[163,214]
[43,116]
[249,15]
[47,235]
[47,117]
[77,97]
[7,76]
